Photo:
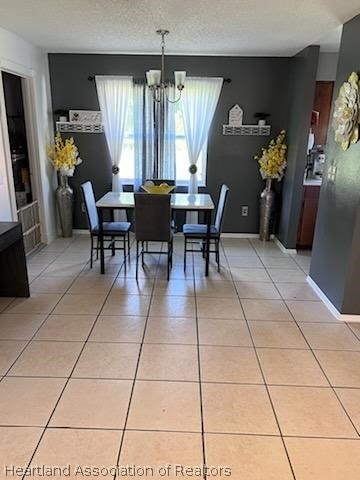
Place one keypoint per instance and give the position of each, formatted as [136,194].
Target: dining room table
[185,202]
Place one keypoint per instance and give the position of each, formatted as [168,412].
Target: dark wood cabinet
[308,216]
[322,104]
[13,271]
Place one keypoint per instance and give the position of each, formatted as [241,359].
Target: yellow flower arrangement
[273,158]
[64,156]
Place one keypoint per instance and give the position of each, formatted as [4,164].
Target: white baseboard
[289,251]
[80,231]
[240,235]
[344,317]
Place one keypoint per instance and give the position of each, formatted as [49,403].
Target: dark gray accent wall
[258,84]
[301,101]
[335,265]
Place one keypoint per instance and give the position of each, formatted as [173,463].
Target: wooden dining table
[185,202]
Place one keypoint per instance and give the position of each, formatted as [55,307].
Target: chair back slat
[152,217]
[90,205]
[220,211]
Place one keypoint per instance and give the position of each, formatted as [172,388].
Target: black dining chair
[194,233]
[153,224]
[110,229]
[171,183]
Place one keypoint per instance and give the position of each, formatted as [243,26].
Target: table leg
[208,231]
[101,238]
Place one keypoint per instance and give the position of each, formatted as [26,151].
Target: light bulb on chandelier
[155,78]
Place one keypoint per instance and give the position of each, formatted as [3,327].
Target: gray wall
[327,66]
[302,88]
[335,265]
[258,84]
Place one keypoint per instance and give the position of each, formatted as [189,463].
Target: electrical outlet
[331,174]
[244,211]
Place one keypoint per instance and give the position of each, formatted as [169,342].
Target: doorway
[24,189]
[315,163]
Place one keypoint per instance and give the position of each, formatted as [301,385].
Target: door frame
[27,76]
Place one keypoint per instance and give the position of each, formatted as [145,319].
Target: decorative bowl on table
[162,189]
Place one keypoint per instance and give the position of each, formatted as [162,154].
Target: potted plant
[272,164]
[64,156]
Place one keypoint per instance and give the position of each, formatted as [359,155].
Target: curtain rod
[91,78]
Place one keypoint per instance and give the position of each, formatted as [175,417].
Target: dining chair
[171,183]
[110,229]
[195,232]
[153,224]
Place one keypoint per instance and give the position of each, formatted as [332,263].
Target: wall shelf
[247,130]
[77,127]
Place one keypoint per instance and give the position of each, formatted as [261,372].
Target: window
[182,157]
[127,169]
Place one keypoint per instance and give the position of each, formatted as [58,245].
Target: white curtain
[138,135]
[168,168]
[114,93]
[149,119]
[198,102]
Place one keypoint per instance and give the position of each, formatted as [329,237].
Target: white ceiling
[210,27]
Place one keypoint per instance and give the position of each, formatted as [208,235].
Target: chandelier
[159,88]
[155,78]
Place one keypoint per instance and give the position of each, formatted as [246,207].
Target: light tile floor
[245,369]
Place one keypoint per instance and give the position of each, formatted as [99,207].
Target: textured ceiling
[218,27]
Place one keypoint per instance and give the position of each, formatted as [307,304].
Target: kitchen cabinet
[322,104]
[14,278]
[309,209]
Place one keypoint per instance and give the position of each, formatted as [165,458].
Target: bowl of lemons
[163,188]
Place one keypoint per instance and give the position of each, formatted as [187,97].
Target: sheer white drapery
[169,156]
[149,138]
[198,102]
[138,135]
[114,93]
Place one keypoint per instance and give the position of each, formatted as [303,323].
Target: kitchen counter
[312,182]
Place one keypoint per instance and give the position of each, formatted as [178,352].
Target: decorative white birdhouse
[236,116]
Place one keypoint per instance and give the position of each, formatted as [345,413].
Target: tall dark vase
[65,204]
[267,198]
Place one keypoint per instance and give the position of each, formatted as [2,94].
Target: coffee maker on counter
[315,163]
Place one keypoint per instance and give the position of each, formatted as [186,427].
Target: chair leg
[185,245]
[97,248]
[203,249]
[113,246]
[169,254]
[217,254]
[137,259]
[142,253]
[128,242]
[91,251]
[172,251]
[124,245]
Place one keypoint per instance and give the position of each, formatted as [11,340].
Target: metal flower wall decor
[346,117]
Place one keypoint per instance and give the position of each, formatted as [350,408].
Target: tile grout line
[47,315]
[265,384]
[239,434]
[27,342]
[199,371]
[39,274]
[169,380]
[318,362]
[136,369]
[198,347]
[70,374]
